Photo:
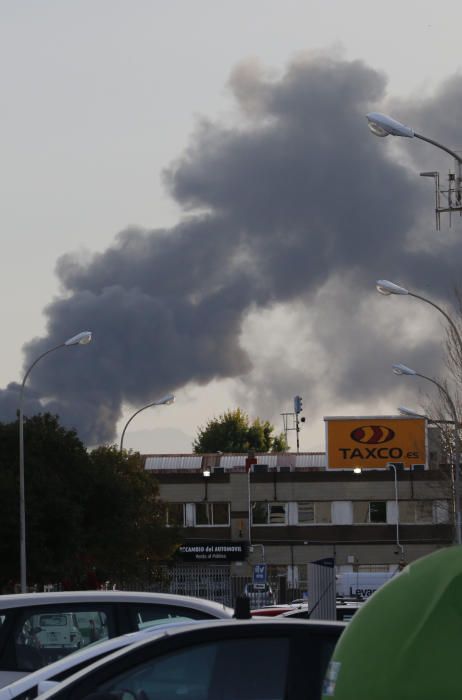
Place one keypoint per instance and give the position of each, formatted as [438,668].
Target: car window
[236,669]
[44,635]
[149,615]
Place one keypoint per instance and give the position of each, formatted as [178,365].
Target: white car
[37,629]
[33,684]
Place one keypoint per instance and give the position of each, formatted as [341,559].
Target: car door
[237,661]
[33,636]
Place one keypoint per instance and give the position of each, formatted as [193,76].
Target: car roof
[86,655]
[20,600]
[189,631]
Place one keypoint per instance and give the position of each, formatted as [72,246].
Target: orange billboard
[373,442]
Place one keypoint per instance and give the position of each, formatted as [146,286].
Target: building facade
[288,510]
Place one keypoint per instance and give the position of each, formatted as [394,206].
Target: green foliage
[233,432]
[89,516]
[125,521]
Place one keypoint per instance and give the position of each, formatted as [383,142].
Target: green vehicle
[405,641]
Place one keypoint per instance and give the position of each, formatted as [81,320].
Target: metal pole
[398,544]
[22,491]
[168,399]
[446,316]
[250,507]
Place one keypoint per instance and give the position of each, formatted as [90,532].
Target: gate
[211,582]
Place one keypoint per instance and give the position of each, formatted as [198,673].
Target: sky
[195,183]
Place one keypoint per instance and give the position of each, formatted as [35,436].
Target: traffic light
[298,404]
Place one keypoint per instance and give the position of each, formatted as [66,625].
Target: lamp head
[386,288]
[206,472]
[357,470]
[383,125]
[402,369]
[166,400]
[409,412]
[80,339]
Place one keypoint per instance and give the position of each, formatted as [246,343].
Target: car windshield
[53,620]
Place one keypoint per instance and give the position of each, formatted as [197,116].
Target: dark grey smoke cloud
[295,195]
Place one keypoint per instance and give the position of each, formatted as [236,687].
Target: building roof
[234,462]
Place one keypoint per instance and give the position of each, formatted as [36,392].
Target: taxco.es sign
[374,442]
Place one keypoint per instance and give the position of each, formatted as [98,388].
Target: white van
[360,584]
[57,631]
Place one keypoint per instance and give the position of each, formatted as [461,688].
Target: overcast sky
[196,184]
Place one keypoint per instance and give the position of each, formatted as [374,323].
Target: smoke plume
[294,205]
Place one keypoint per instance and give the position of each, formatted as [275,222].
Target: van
[57,631]
[360,584]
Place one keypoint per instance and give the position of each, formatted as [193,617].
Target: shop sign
[375,442]
[213,551]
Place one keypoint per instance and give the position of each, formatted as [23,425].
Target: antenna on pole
[291,421]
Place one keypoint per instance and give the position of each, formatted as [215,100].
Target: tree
[56,482]
[232,432]
[90,517]
[125,527]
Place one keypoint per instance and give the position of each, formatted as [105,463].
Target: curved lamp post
[407,371]
[388,288]
[80,339]
[165,401]
[382,125]
[413,414]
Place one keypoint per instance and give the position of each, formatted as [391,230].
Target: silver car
[37,629]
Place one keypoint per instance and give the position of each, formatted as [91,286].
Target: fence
[213,583]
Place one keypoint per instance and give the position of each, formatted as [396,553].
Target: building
[301,511]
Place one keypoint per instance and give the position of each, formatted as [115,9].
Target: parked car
[37,682]
[39,628]
[227,659]
[273,610]
[259,594]
[344,611]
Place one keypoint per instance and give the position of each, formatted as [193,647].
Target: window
[149,615]
[227,669]
[306,512]
[212,514]
[378,512]
[424,511]
[264,513]
[175,515]
[442,511]
[42,637]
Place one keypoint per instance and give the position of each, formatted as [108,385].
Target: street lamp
[387,288]
[165,401]
[382,125]
[206,474]
[400,369]
[398,544]
[413,414]
[80,339]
